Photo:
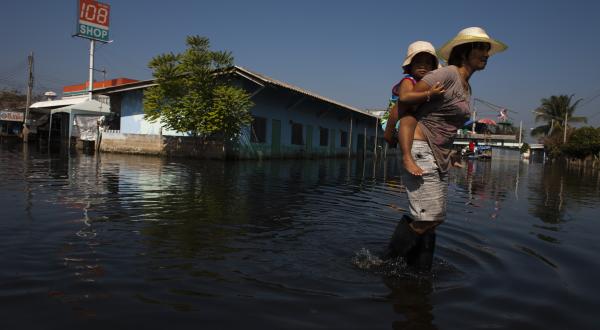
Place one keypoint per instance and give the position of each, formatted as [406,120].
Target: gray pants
[427,194]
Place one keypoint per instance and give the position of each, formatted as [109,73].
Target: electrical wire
[493,106]
[589,99]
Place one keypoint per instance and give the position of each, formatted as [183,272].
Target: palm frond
[555,109]
[542,130]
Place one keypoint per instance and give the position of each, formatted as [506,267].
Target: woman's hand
[457,164]
[437,89]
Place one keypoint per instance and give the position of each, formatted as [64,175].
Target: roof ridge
[301,90]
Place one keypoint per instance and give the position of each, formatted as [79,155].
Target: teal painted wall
[287,107]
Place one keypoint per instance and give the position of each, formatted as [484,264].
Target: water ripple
[291,243]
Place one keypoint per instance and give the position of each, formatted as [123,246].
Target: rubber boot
[422,259]
[412,256]
[403,240]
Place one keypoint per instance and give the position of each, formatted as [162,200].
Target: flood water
[91,242]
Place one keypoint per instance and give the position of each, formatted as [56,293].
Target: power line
[16,85]
[493,106]
[20,67]
[50,78]
[10,76]
[593,116]
[589,99]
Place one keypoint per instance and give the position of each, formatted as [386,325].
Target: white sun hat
[419,47]
[468,35]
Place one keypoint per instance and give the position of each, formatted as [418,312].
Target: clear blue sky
[348,51]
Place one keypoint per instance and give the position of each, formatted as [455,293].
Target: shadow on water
[412,299]
[128,240]
[410,291]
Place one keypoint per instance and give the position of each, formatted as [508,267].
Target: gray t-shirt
[439,119]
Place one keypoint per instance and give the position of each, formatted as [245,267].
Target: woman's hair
[459,54]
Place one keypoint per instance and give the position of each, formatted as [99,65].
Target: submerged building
[288,122]
[73,117]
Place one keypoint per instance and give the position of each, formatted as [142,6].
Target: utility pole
[91,73]
[474,120]
[29,92]
[103,77]
[376,129]
[520,132]
[565,127]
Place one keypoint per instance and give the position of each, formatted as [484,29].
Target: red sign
[94,13]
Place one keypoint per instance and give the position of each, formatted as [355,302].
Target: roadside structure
[11,122]
[288,122]
[63,119]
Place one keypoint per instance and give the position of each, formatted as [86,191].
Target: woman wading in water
[437,123]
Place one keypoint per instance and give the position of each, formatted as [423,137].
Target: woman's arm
[419,93]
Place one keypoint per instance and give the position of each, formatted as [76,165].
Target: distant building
[82,89]
[55,118]
[288,122]
[11,121]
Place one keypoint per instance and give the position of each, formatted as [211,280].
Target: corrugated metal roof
[59,103]
[89,106]
[276,82]
[251,75]
[126,87]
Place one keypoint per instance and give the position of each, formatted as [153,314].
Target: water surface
[121,240]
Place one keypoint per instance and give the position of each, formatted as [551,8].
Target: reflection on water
[129,240]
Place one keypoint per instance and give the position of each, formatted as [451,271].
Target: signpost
[93,20]
[93,23]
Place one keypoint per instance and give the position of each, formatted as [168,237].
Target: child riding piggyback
[420,59]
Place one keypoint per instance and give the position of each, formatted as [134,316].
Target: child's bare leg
[456,161]
[408,123]
[388,135]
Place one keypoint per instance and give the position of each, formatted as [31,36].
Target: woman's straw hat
[419,47]
[471,34]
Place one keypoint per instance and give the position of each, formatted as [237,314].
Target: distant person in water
[437,123]
[420,59]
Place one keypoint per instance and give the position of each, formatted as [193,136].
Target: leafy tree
[11,99]
[583,142]
[194,93]
[552,111]
[553,145]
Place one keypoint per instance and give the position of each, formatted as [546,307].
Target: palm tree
[553,111]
